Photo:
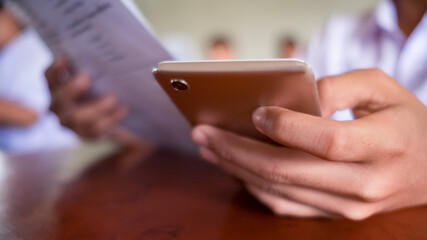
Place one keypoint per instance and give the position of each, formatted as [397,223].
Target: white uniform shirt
[22,65]
[372,40]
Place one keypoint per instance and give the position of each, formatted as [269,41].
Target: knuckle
[377,189]
[324,82]
[324,86]
[378,74]
[357,212]
[224,153]
[273,172]
[217,143]
[397,145]
[336,143]
[280,209]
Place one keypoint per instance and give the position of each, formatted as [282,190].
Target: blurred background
[251,29]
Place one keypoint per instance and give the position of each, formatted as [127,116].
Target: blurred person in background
[220,49]
[287,47]
[25,121]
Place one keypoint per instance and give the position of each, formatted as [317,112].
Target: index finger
[368,89]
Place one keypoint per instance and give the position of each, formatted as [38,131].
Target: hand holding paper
[102,39]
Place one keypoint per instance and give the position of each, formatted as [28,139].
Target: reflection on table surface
[92,193]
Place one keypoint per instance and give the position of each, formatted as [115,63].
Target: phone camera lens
[179,85]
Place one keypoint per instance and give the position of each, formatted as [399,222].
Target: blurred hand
[12,114]
[88,117]
[354,169]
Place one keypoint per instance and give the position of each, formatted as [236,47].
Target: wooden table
[167,196]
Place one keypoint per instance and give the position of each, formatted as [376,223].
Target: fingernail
[200,138]
[258,117]
[208,155]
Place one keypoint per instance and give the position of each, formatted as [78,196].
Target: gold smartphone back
[226,93]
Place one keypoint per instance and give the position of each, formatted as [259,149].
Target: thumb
[364,91]
[12,114]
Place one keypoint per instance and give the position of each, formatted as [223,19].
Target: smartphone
[226,93]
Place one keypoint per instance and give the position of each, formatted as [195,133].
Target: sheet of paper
[111,41]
